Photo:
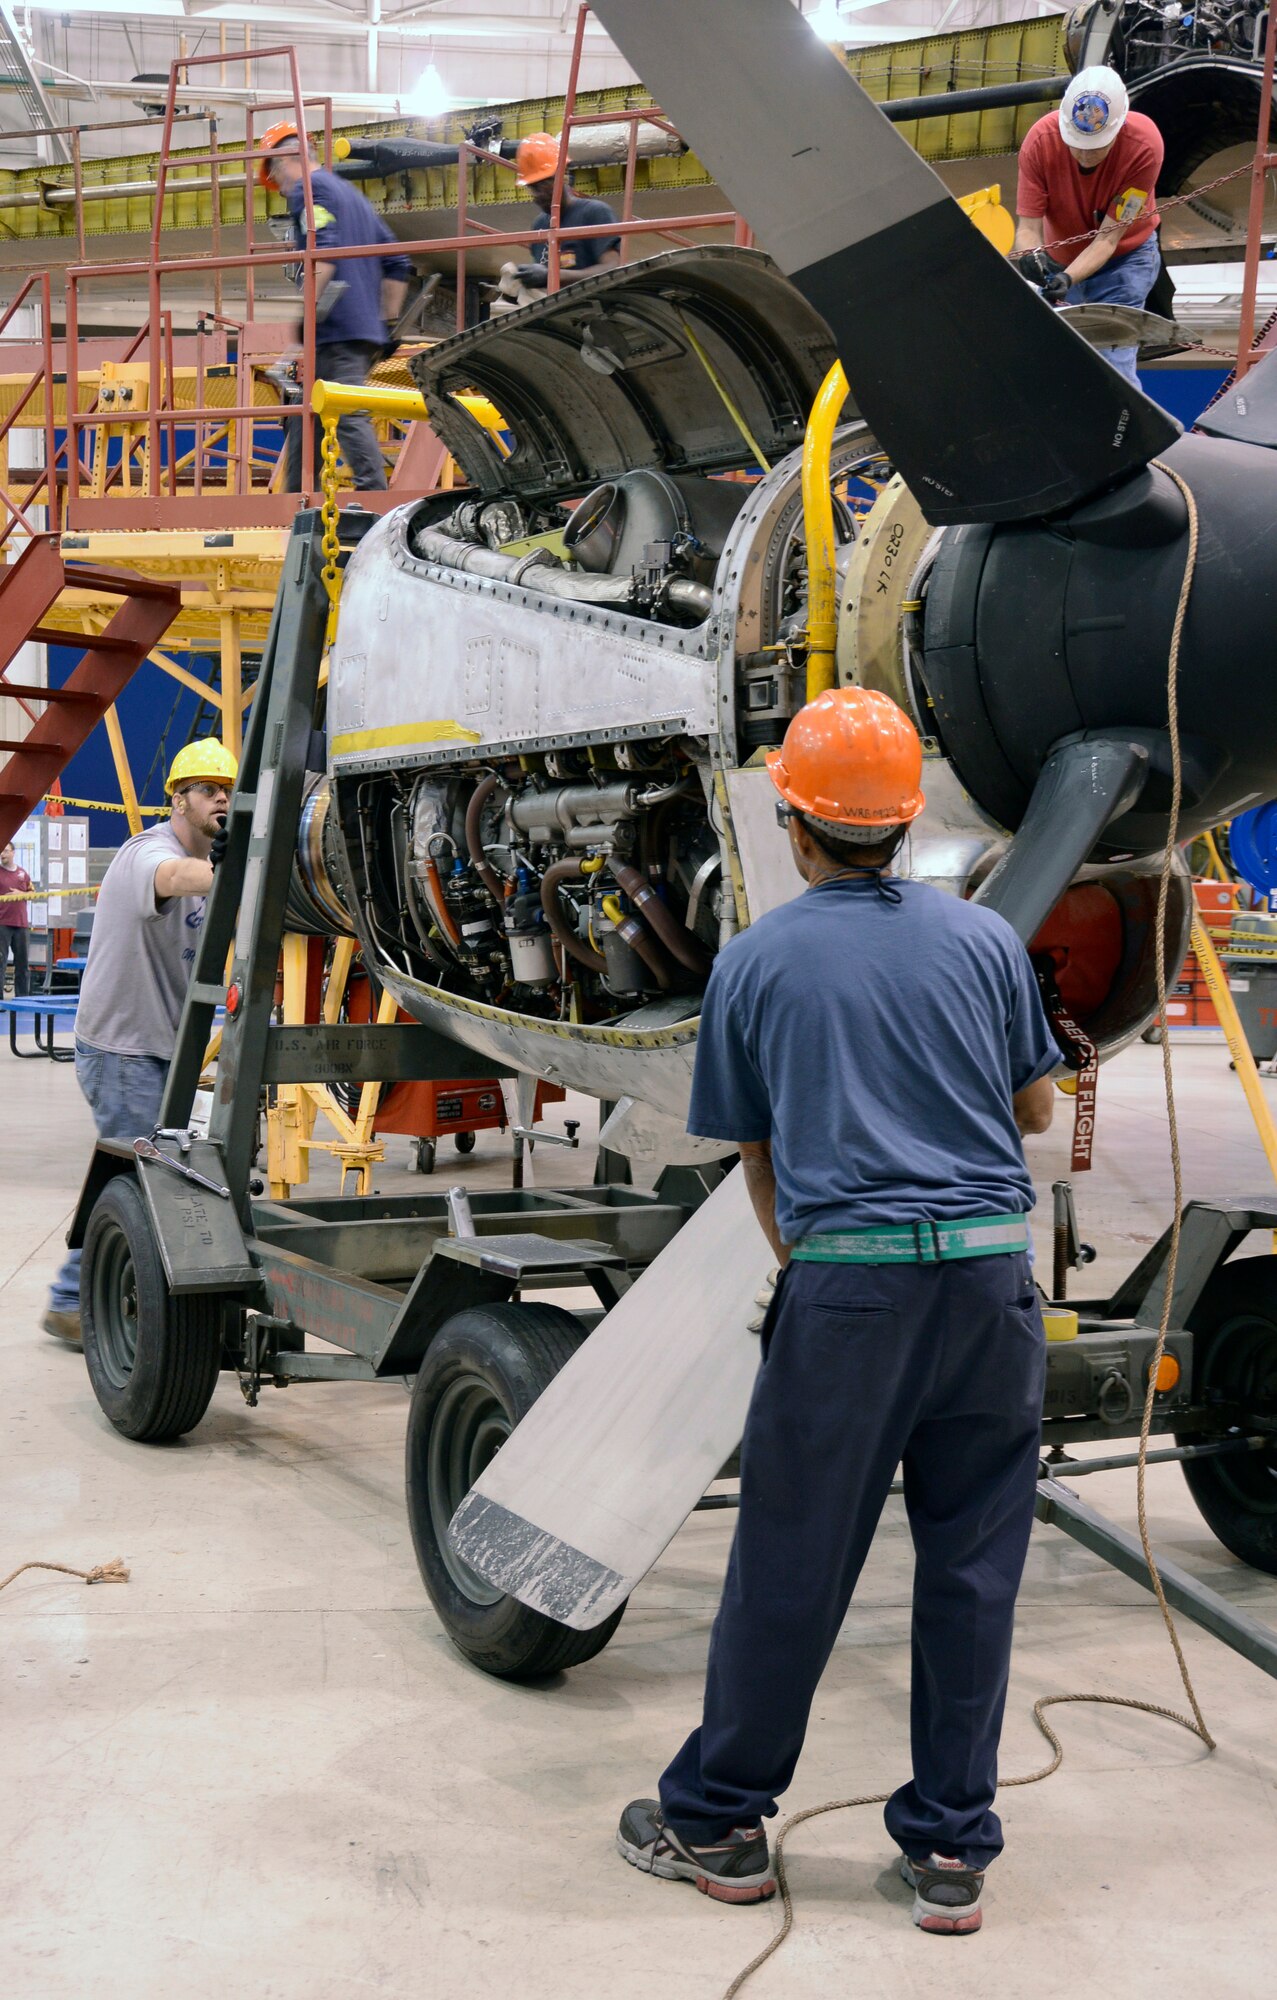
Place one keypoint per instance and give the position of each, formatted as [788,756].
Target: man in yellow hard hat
[149,911]
[876,1049]
[536,163]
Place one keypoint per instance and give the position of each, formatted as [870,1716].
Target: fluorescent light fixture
[429,95]
[826,21]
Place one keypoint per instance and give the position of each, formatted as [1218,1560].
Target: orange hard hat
[851,758]
[537,158]
[273,136]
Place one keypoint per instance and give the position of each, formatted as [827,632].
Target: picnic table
[41,1008]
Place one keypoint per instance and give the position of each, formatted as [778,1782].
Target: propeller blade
[991,409]
[1083,787]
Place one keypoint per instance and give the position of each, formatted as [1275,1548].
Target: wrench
[145,1150]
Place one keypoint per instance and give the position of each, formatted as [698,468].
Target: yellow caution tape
[50,895]
[104,805]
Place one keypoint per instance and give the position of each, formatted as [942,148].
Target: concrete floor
[260,1768]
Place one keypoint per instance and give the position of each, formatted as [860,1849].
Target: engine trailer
[188,1272]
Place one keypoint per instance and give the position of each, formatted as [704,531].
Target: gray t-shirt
[140,954]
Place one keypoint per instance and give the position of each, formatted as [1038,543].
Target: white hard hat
[1094,108]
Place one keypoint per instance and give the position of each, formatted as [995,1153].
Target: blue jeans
[1123,281]
[936,1367]
[124,1094]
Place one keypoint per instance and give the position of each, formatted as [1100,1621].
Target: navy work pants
[348,361]
[938,1368]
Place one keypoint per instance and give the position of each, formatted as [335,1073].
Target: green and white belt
[916,1242]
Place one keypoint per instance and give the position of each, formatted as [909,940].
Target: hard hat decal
[1090,113]
[1094,109]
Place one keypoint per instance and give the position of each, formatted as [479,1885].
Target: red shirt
[1073,203]
[14,915]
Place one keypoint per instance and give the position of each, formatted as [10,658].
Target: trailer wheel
[465,1142]
[423,1155]
[153,1359]
[482,1373]
[1234,1324]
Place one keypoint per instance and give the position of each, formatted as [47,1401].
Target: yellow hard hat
[206,759]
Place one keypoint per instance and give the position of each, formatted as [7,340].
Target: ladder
[28,592]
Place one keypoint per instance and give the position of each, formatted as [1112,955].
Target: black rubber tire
[153,1360]
[465,1142]
[482,1373]
[1234,1325]
[423,1156]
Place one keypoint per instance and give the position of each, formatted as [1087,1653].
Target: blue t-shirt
[344,218]
[878,1046]
[583,253]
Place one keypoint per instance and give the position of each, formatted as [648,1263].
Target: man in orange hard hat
[876,1049]
[536,163]
[357,299]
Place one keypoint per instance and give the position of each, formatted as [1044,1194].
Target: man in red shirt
[15,922]
[1086,210]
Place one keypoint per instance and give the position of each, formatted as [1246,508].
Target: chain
[1172,201]
[331,573]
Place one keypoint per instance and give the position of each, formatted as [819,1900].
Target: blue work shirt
[577,213]
[878,1046]
[344,218]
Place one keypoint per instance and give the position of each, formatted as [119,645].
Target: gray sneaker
[63,1326]
[946,1894]
[736,1869]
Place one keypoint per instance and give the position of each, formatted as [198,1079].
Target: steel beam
[1205,1607]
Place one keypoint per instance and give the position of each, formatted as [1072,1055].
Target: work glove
[1038,267]
[762,1300]
[1057,288]
[217,852]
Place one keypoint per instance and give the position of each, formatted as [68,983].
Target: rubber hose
[567,871]
[474,836]
[649,949]
[673,935]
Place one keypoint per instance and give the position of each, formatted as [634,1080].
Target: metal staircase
[28,592]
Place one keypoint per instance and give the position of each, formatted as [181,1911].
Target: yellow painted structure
[929,65]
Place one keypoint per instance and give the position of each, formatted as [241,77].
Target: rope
[1168,1079]
[880,1799]
[1196,1726]
[112,1572]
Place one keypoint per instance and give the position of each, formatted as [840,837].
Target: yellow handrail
[818,518]
[345,399]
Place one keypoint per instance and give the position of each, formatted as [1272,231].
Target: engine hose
[439,903]
[567,871]
[474,836]
[673,935]
[648,948]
